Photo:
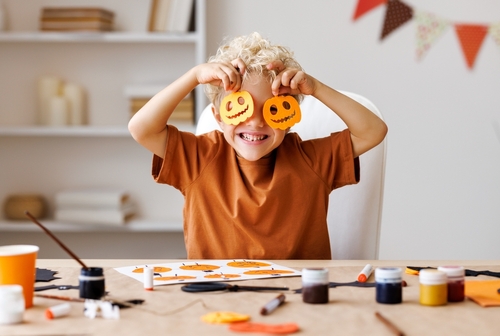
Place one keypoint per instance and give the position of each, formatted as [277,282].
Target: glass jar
[433,287]
[456,282]
[315,285]
[389,287]
[91,283]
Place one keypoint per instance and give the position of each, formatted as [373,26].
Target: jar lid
[315,275]
[92,271]
[452,271]
[10,289]
[388,274]
[432,277]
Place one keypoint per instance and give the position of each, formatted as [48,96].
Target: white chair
[355,211]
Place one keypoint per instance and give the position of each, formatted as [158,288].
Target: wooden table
[168,310]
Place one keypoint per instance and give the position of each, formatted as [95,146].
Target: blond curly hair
[256,52]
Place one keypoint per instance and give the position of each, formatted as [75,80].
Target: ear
[216,115]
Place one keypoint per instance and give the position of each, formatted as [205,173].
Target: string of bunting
[429,27]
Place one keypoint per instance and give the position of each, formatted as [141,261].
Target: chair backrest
[355,211]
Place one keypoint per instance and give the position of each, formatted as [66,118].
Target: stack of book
[172,16]
[76,19]
[94,206]
[139,95]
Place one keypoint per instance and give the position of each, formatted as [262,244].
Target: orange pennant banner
[471,38]
[364,6]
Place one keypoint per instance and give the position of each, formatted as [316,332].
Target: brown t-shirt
[273,208]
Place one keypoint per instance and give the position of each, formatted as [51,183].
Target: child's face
[253,138]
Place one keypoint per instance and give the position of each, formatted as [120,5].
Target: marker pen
[365,273]
[148,278]
[57,311]
[273,304]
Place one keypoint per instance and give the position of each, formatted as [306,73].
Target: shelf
[97,37]
[77,131]
[130,226]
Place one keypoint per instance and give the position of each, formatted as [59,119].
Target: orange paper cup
[17,267]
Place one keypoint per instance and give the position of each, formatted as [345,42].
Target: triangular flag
[365,6]
[397,14]
[495,32]
[429,28]
[471,38]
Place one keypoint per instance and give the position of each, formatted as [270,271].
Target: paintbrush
[33,219]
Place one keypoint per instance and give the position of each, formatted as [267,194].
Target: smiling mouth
[250,137]
[238,114]
[285,119]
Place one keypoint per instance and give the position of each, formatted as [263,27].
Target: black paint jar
[315,285]
[91,283]
[389,285]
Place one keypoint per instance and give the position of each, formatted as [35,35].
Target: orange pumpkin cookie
[268,272]
[282,112]
[222,276]
[236,107]
[176,277]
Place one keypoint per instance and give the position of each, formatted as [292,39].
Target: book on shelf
[76,18]
[92,197]
[171,15]
[96,215]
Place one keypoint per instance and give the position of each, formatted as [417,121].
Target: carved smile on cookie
[236,107]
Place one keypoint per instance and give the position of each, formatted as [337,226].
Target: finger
[276,65]
[240,66]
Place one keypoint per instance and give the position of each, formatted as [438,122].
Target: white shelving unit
[44,160]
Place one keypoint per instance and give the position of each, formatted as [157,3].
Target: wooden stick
[57,297]
[389,324]
[33,219]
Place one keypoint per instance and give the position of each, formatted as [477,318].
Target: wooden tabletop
[350,311]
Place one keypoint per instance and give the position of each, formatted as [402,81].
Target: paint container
[11,304]
[315,285]
[433,287]
[91,283]
[57,311]
[456,282]
[389,287]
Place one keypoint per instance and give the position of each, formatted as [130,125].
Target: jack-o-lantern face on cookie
[282,112]
[236,107]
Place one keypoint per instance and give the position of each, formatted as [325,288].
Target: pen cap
[388,275]
[11,304]
[315,275]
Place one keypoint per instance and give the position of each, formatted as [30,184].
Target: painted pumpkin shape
[236,107]
[268,272]
[176,278]
[156,269]
[222,276]
[282,112]
[247,264]
[199,267]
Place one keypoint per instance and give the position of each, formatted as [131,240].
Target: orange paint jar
[433,287]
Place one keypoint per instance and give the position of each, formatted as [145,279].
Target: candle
[58,113]
[75,96]
[48,87]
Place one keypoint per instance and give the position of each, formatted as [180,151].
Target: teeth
[249,137]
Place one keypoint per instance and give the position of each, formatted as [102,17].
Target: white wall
[442,190]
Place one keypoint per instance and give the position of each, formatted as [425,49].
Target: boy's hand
[291,81]
[227,75]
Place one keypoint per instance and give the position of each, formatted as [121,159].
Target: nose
[257,118]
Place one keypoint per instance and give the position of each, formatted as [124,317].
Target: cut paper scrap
[224,317]
[494,31]
[429,28]
[397,14]
[208,270]
[471,38]
[265,328]
[364,6]
[484,293]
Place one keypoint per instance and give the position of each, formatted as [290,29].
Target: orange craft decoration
[156,269]
[199,267]
[247,264]
[282,112]
[270,272]
[236,107]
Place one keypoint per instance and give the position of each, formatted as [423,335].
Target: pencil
[389,324]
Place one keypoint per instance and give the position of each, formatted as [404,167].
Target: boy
[253,191]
